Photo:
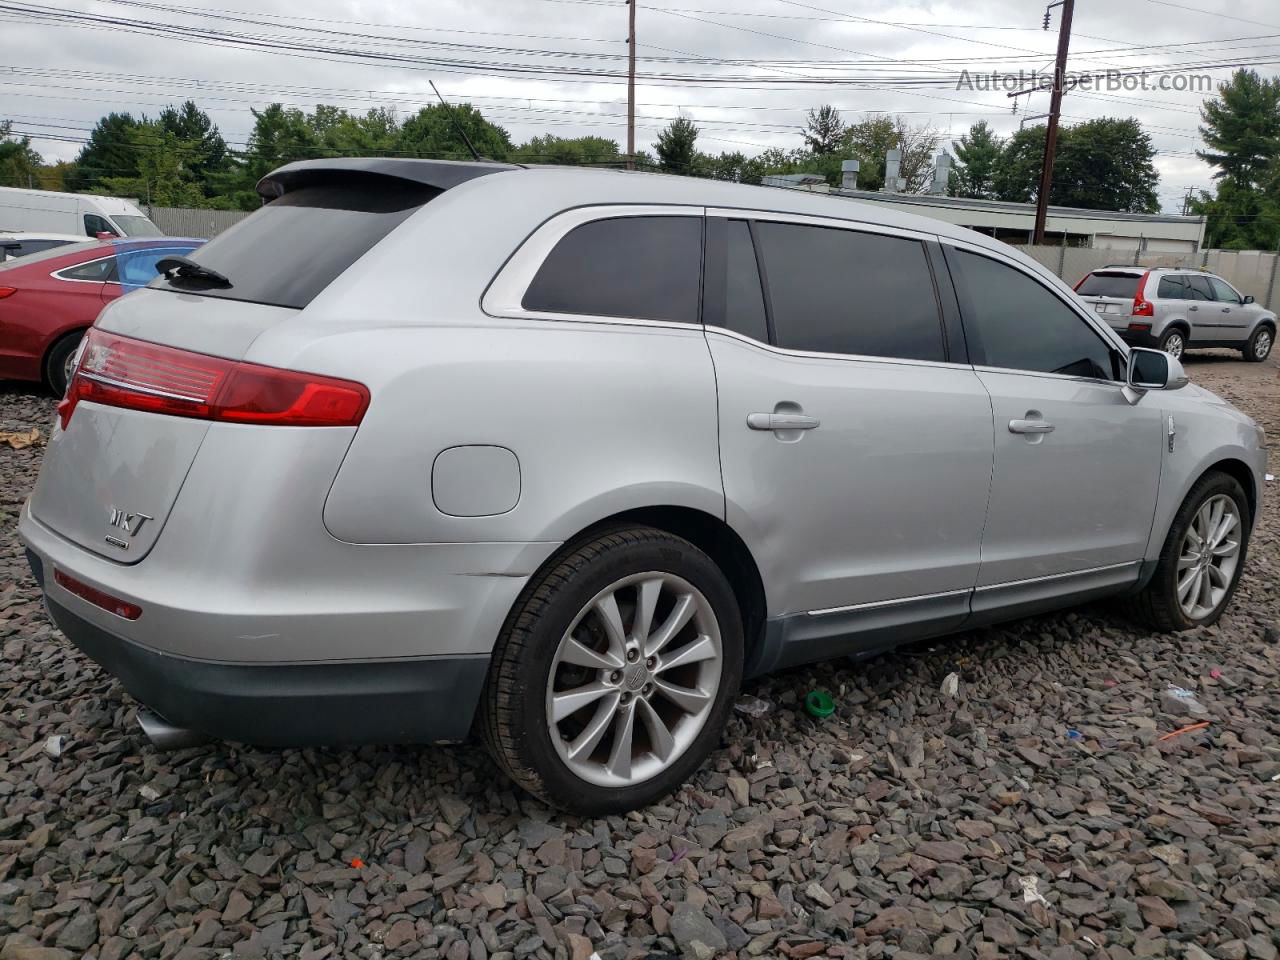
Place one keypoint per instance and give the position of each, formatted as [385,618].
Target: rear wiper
[187,269]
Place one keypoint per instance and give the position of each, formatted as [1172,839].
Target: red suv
[49,299]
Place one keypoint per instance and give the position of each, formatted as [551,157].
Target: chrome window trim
[1015,371]
[815,220]
[815,355]
[58,274]
[505,294]
[1106,334]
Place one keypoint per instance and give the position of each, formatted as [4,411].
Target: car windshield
[1122,285]
[136,226]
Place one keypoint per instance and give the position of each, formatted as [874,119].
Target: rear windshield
[1122,285]
[295,246]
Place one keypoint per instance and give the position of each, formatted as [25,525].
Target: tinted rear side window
[295,246]
[1122,285]
[841,291]
[1173,288]
[645,268]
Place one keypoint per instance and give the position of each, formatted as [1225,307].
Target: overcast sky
[57,78]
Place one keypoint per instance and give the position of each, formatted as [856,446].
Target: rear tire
[1258,348]
[652,704]
[1173,600]
[57,363]
[1174,343]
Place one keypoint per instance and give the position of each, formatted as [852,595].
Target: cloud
[760,64]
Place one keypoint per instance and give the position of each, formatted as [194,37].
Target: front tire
[57,365]
[614,673]
[1259,345]
[1174,343]
[1202,558]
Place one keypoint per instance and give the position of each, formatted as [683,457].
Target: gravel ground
[1038,813]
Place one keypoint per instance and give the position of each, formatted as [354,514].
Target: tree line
[179,157]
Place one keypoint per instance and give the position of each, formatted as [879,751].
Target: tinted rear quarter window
[645,268]
[1122,285]
[295,246]
[98,271]
[1173,288]
[844,291]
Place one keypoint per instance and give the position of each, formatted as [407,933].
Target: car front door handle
[1195,308]
[1030,426]
[1226,309]
[781,421]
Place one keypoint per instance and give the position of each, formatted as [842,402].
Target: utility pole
[631,84]
[1055,110]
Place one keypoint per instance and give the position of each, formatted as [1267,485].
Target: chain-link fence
[1250,271]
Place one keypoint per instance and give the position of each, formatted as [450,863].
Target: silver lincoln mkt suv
[561,456]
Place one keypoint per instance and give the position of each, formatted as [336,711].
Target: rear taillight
[122,372]
[7,292]
[1080,282]
[1141,306]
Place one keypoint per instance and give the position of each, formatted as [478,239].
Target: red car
[49,299]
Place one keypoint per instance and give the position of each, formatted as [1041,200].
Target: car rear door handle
[1226,309]
[1030,426]
[781,421]
[1195,308]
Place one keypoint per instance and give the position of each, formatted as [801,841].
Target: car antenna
[454,117]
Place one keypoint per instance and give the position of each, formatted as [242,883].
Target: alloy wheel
[69,365]
[1208,558]
[1262,344]
[1174,345]
[634,679]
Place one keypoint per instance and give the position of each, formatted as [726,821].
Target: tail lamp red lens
[123,372]
[1143,307]
[7,292]
[121,608]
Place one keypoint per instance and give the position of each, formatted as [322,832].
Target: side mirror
[1248,298]
[1153,370]
[104,235]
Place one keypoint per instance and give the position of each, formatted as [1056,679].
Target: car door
[1203,312]
[855,440]
[1231,319]
[1077,466]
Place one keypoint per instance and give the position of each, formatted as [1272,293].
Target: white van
[78,213]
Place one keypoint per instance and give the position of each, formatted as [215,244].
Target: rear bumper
[1135,339]
[420,700]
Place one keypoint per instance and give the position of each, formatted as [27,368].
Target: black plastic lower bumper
[427,700]
[1138,339]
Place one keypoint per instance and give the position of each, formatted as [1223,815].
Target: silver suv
[564,455]
[1174,310]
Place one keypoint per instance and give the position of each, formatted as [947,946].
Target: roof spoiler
[440,174]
